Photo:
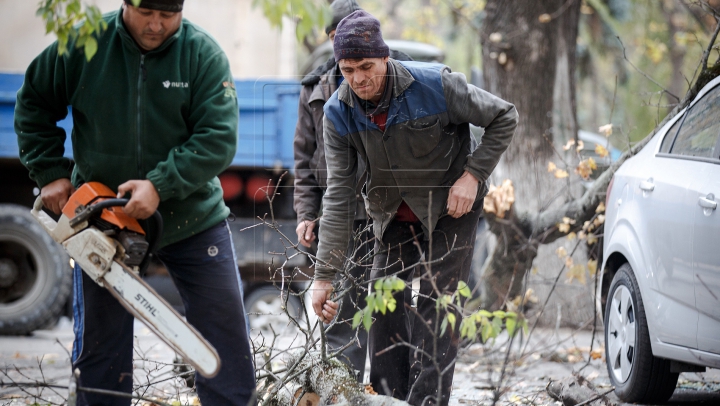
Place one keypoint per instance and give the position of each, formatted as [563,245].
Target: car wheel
[265,308]
[637,375]
[35,274]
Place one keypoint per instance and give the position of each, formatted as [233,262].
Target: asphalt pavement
[482,371]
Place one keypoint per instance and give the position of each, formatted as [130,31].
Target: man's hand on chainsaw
[144,199]
[56,193]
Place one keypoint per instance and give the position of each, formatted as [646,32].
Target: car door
[696,148]
[662,193]
[706,259]
[702,144]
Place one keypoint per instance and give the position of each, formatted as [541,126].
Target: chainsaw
[111,247]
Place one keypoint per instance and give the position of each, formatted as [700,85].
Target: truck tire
[35,275]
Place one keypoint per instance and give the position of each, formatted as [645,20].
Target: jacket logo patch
[168,84]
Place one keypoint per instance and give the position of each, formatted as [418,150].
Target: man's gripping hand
[144,199]
[56,193]
[462,195]
[324,308]
[304,231]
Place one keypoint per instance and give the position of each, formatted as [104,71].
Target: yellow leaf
[545,18]
[569,262]
[568,220]
[576,272]
[561,252]
[599,220]
[592,266]
[592,163]
[534,271]
[600,208]
[495,37]
[591,239]
[582,235]
[551,167]
[587,226]
[571,236]
[585,168]
[580,146]
[606,130]
[596,354]
[500,199]
[601,151]
[569,145]
[561,174]
[563,228]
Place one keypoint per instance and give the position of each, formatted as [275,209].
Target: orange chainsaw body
[94,192]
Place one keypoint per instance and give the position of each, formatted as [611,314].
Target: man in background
[310,184]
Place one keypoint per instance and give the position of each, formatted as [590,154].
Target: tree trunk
[529,60]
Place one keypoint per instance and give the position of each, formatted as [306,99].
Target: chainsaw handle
[96,208]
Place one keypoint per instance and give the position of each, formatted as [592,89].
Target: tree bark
[529,60]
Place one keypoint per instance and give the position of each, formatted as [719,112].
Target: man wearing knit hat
[155,116]
[409,123]
[310,183]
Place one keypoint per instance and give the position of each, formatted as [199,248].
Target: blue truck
[35,275]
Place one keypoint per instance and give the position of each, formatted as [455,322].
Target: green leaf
[398,284]
[382,304]
[499,313]
[443,326]
[497,325]
[510,325]
[464,289]
[484,313]
[524,325]
[357,318]
[367,320]
[378,285]
[136,3]
[485,331]
[392,304]
[91,47]
[387,285]
[451,319]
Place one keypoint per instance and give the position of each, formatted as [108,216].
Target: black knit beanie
[162,5]
[358,36]
[340,9]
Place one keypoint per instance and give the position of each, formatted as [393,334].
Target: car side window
[700,129]
[669,137]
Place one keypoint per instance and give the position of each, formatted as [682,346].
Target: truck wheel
[35,275]
[266,311]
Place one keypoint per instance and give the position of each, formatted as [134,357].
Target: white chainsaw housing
[96,254]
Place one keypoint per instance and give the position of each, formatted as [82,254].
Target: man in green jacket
[155,116]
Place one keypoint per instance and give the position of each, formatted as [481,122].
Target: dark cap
[162,5]
[340,9]
[358,36]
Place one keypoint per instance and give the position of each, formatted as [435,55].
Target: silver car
[661,265]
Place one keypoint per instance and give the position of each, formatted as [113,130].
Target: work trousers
[204,270]
[341,333]
[408,370]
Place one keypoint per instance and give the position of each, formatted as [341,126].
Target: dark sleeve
[213,120]
[41,102]
[308,194]
[339,202]
[469,104]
